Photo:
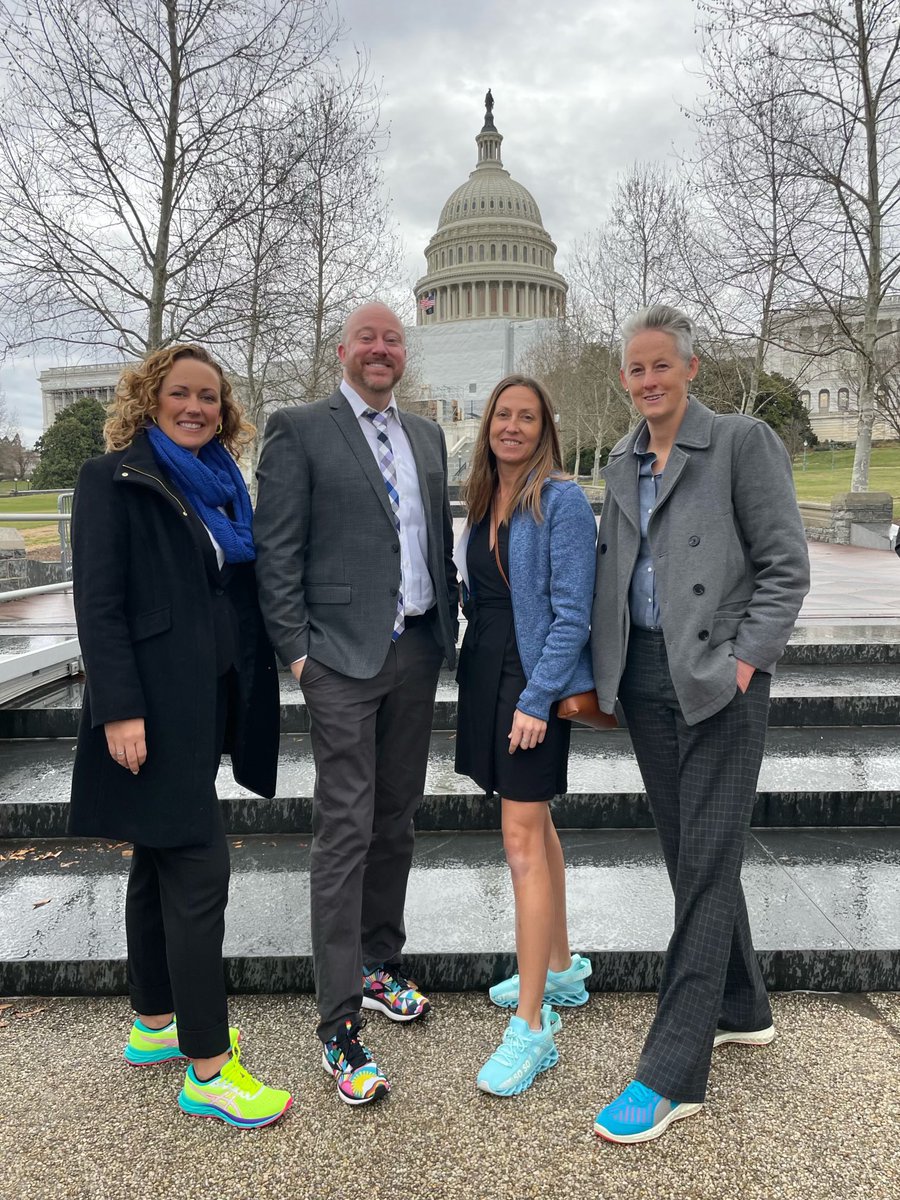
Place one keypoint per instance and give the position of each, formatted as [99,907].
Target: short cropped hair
[664,319]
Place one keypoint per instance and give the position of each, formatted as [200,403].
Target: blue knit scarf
[209,481]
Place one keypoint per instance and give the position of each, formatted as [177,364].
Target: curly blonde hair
[136,400]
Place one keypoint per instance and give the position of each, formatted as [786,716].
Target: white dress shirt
[416,585]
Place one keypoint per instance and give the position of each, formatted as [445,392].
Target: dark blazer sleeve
[100,560]
[281,531]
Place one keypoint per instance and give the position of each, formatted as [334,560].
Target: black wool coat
[158,623]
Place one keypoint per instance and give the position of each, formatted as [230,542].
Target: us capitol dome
[491,256]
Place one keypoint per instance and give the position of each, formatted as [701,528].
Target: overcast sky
[581,91]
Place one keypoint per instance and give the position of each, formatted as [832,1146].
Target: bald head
[373,353]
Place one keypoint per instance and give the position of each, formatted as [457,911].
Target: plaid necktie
[389,474]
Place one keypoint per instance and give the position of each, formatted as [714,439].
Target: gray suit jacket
[732,565]
[328,554]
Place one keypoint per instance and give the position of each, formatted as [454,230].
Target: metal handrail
[46,518]
[42,590]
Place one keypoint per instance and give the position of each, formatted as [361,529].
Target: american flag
[427,303]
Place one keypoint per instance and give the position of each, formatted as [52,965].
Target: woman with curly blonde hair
[178,670]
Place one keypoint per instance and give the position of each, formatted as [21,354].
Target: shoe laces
[236,1075]
[511,1047]
[347,1042]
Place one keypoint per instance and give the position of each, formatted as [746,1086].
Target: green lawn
[828,473]
[37,536]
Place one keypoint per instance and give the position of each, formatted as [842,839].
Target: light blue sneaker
[522,1055]
[639,1115]
[563,989]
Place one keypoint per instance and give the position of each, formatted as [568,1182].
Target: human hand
[526,732]
[126,743]
[297,668]
[744,674]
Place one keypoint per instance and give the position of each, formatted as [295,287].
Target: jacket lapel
[346,420]
[621,476]
[695,432]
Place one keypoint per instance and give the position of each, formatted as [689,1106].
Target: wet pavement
[809,892]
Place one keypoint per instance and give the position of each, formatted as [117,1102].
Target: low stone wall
[13,563]
[851,519]
[41,573]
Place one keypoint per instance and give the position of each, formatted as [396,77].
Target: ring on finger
[120,754]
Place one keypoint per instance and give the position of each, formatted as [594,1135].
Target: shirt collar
[359,406]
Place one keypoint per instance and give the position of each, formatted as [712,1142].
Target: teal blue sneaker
[146,1046]
[563,989]
[639,1115]
[522,1055]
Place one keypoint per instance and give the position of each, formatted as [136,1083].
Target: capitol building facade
[491,290]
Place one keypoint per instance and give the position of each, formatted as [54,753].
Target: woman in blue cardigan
[526,559]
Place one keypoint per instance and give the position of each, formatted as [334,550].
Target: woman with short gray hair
[702,567]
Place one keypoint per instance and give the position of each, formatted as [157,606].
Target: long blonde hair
[136,401]
[544,464]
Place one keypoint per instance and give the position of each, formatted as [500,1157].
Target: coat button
[603,547]
[396,549]
[703,635]
[394,591]
[699,589]
[124,474]
[220,591]
[693,540]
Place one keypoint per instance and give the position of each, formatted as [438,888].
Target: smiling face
[516,426]
[190,404]
[373,353]
[656,376]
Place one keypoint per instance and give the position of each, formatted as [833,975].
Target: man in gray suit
[358,589]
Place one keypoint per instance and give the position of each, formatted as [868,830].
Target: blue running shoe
[522,1055]
[563,989]
[640,1115]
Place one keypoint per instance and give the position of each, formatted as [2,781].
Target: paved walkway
[850,585]
[816,1116]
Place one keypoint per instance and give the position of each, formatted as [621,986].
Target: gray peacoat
[732,565]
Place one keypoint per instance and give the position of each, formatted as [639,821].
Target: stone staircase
[822,865]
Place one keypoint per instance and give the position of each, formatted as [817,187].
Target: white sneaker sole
[387,1011]
[759,1037]
[626,1139]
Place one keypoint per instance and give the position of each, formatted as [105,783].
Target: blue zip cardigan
[551,579]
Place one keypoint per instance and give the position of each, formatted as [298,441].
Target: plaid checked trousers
[701,783]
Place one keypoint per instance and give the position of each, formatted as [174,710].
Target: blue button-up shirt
[643,601]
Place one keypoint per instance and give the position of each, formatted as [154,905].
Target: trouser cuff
[204,1043]
[152,1002]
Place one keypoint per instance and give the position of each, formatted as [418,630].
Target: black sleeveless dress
[491,679]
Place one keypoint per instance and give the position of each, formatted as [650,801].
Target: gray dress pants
[370,739]
[701,783]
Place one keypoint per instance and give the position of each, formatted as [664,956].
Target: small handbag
[583,707]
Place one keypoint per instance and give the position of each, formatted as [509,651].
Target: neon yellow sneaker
[233,1096]
[146,1046]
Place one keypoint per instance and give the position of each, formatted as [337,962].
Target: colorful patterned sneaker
[388,991]
[563,989]
[345,1058]
[742,1037]
[522,1055]
[233,1096]
[639,1115]
[146,1046]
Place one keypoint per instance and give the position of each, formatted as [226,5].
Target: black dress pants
[701,783]
[175,926]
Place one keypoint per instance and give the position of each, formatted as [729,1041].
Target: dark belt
[492,602]
[420,618]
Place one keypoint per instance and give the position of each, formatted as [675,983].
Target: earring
[154,420]
[219,430]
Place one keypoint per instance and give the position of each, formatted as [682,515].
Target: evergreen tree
[75,436]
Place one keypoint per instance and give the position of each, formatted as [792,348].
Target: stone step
[802,695]
[824,906]
[810,777]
